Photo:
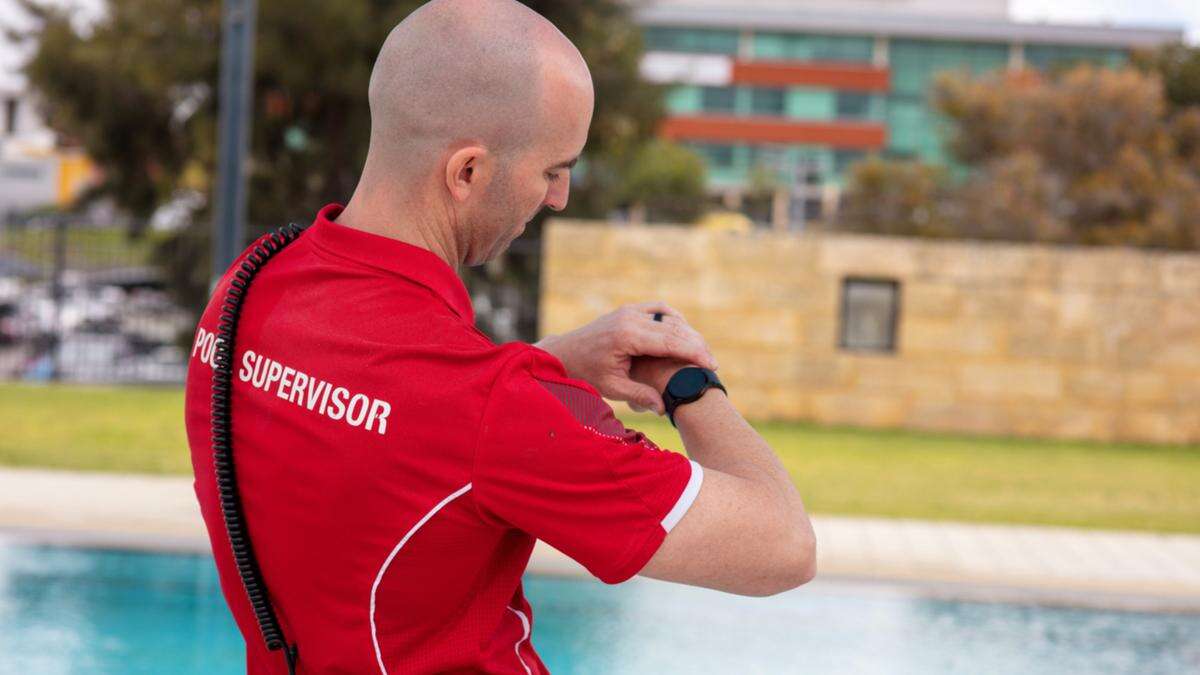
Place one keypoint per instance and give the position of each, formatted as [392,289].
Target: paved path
[1047,564]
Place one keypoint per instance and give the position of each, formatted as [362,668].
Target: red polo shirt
[396,466]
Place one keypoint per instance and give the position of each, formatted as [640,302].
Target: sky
[12,16]
[1174,13]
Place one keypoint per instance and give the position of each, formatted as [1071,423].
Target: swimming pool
[85,611]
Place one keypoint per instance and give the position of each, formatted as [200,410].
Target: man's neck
[406,222]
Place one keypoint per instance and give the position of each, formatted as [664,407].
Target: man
[396,466]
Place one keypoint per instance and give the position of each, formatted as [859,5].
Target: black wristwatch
[687,385]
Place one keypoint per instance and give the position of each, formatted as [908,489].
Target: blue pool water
[83,611]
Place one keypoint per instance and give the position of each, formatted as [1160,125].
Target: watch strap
[671,402]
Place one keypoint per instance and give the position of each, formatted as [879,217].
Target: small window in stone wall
[870,314]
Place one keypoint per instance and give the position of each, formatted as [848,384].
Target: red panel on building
[773,130]
[832,75]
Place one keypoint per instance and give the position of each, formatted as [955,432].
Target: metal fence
[83,303]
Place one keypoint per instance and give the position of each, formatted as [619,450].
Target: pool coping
[1028,563]
[547,561]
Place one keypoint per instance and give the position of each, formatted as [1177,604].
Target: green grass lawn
[85,247]
[93,428]
[844,471]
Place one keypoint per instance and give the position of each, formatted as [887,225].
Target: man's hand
[602,352]
[655,372]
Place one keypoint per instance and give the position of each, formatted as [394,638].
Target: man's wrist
[687,386]
[699,407]
[661,383]
[547,343]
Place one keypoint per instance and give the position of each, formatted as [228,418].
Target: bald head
[465,71]
[479,109]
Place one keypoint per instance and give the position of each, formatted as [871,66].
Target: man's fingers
[656,306]
[672,337]
[638,395]
[674,341]
[694,335]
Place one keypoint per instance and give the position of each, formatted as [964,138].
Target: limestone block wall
[992,338]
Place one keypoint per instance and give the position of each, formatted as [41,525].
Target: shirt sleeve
[552,460]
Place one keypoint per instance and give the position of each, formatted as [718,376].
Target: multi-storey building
[36,170]
[784,95]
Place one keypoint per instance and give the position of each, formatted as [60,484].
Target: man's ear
[468,171]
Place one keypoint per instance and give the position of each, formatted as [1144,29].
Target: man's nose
[556,197]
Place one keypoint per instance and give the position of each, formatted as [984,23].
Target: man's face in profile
[539,176]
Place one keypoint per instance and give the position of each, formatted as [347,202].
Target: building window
[766,102]
[808,172]
[804,210]
[844,159]
[716,155]
[693,40]
[805,47]
[718,99]
[916,63]
[10,116]
[870,314]
[1052,57]
[853,105]
[813,208]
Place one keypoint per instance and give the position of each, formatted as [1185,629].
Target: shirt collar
[392,255]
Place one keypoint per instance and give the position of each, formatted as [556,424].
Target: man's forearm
[715,435]
[547,343]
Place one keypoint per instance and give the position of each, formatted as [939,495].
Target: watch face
[686,382]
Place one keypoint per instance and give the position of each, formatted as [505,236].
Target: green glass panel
[725,163]
[931,149]
[1050,57]
[766,101]
[694,40]
[816,165]
[804,47]
[853,105]
[717,156]
[771,46]
[770,160]
[792,164]
[906,126]
[726,176]
[843,160]
[684,99]
[718,99]
[742,106]
[878,109]
[916,63]
[738,164]
[807,103]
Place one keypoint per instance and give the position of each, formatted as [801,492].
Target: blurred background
[946,252]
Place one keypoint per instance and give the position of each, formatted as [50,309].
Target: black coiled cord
[222,440]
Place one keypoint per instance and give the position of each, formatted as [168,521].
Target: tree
[1085,156]
[895,197]
[1015,198]
[667,180]
[138,90]
[1179,67]
[1091,151]
[130,91]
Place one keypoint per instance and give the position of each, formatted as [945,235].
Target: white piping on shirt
[685,498]
[379,577]
[517,647]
